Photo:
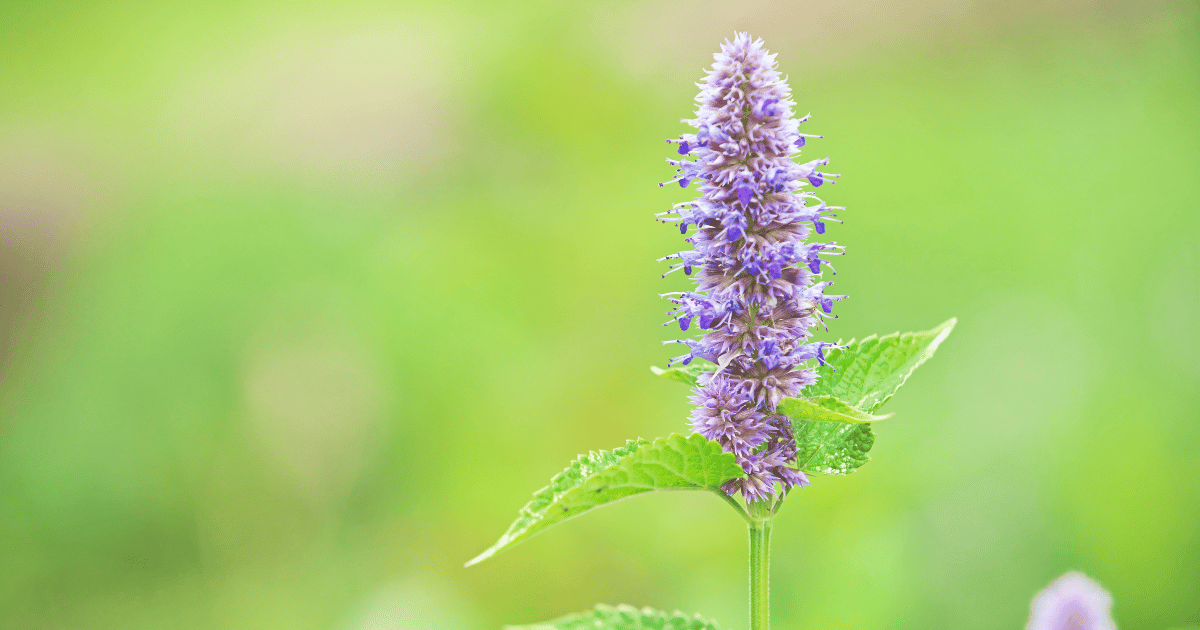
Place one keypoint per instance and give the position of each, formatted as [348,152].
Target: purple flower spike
[1073,602]
[755,297]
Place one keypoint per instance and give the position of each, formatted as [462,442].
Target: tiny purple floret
[744,195]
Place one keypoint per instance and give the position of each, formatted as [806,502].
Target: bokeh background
[301,301]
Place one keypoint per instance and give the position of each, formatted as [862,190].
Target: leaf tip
[942,331]
[491,551]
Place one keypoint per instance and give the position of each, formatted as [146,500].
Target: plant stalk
[760,569]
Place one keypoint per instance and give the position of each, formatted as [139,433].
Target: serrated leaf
[825,409]
[686,374]
[867,373]
[623,618]
[862,376]
[832,448]
[601,477]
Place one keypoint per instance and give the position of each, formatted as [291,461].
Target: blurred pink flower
[1072,602]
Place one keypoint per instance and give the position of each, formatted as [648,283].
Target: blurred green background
[301,301]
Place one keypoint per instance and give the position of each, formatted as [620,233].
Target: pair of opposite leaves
[832,428]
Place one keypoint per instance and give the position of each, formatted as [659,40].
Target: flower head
[759,287]
[1073,602]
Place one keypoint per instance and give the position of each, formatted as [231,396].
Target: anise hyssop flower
[759,288]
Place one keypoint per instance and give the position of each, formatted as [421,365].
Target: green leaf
[856,379]
[825,409]
[869,372]
[600,477]
[832,448]
[686,374]
[623,618]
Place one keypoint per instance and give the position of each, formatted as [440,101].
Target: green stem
[736,506]
[760,569]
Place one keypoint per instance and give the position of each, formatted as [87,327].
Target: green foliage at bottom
[623,618]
